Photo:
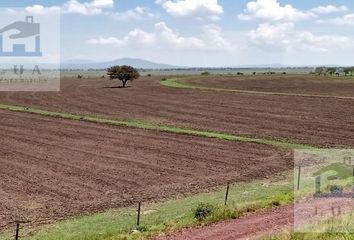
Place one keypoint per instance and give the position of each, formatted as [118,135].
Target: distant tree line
[334,71]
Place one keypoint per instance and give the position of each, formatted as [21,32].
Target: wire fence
[144,216]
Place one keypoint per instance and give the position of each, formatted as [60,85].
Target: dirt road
[253,226]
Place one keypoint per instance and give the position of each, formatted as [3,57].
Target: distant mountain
[134,62]
[77,61]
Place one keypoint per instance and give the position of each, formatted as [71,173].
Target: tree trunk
[124,83]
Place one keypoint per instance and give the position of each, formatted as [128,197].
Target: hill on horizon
[134,62]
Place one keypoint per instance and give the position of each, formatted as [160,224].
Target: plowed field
[53,168]
[309,120]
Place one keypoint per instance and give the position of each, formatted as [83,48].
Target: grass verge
[334,229]
[168,216]
[156,127]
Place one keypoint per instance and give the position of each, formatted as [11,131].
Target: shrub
[276,203]
[205,73]
[203,210]
[163,79]
[80,76]
[224,213]
[239,73]
[335,189]
[149,75]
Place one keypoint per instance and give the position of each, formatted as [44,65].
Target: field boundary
[156,127]
[168,216]
[181,83]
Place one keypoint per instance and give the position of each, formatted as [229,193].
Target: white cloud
[329,9]
[41,10]
[321,43]
[213,37]
[137,13]
[272,36]
[271,10]
[164,37]
[284,37]
[94,7]
[347,19]
[87,8]
[202,9]
[101,3]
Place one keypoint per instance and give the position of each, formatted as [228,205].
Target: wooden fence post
[227,193]
[17,231]
[298,178]
[139,209]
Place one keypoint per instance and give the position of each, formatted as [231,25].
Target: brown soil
[310,120]
[293,84]
[54,168]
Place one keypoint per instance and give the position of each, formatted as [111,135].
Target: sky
[205,33]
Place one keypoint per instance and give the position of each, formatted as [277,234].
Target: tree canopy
[123,73]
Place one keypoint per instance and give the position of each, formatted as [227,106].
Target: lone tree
[123,73]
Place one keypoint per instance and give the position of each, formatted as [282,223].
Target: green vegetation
[334,229]
[168,216]
[156,127]
[205,74]
[203,211]
[123,73]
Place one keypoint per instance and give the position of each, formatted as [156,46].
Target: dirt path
[271,221]
[253,226]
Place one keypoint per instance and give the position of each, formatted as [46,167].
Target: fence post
[138,220]
[298,178]
[227,193]
[17,231]
[318,185]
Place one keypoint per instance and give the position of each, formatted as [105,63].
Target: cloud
[329,9]
[347,19]
[164,37]
[40,10]
[137,13]
[284,37]
[101,3]
[272,37]
[321,43]
[94,7]
[271,10]
[202,9]
[213,37]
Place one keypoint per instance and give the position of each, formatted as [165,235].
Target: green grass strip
[182,83]
[156,127]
